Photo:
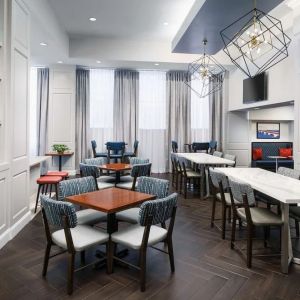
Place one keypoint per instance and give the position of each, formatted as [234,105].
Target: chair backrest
[55,210]
[213,145]
[141,170]
[239,189]
[135,147]
[89,170]
[289,172]
[94,146]
[136,161]
[200,147]
[76,186]
[115,146]
[153,186]
[217,177]
[97,161]
[160,210]
[174,146]
[230,157]
[218,154]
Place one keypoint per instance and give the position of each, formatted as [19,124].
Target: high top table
[204,160]
[282,188]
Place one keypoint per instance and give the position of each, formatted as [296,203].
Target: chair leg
[46,259]
[224,208]
[297,227]
[213,211]
[82,258]
[233,229]
[50,190]
[143,255]
[185,186]
[171,254]
[249,245]
[229,216]
[37,198]
[110,257]
[56,191]
[71,262]
[266,235]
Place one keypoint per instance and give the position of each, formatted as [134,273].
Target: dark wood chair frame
[141,266]
[43,189]
[70,250]
[121,154]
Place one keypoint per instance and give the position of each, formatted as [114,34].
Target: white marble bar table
[282,188]
[204,160]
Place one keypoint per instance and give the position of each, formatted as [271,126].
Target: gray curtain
[42,109]
[82,115]
[178,109]
[216,111]
[126,92]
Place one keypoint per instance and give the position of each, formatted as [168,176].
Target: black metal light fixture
[206,74]
[259,44]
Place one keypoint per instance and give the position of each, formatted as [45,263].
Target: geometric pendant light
[255,42]
[206,74]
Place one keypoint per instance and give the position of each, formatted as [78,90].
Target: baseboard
[10,233]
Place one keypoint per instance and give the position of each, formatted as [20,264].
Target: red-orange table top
[117,167]
[110,200]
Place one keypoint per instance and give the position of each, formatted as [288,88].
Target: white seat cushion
[104,185]
[83,237]
[125,185]
[130,215]
[227,199]
[90,217]
[104,178]
[126,178]
[132,236]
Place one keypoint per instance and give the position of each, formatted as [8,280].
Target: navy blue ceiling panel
[214,16]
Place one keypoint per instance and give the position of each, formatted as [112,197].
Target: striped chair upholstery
[137,160]
[141,170]
[218,154]
[153,186]
[98,161]
[160,209]
[56,209]
[239,189]
[289,172]
[216,177]
[89,170]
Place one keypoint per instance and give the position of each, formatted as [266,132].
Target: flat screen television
[255,89]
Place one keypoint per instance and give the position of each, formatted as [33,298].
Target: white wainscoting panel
[3,202]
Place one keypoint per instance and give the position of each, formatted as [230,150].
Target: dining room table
[118,168]
[284,189]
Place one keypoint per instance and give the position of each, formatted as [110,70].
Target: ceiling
[212,17]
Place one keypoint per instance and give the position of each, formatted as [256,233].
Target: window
[101,98]
[152,100]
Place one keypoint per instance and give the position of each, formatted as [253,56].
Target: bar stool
[62,174]
[43,183]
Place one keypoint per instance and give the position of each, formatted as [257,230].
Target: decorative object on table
[60,148]
[268,131]
[255,42]
[60,155]
[203,71]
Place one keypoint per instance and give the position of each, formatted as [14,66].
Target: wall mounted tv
[255,89]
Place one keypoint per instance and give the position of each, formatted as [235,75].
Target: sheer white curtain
[33,113]
[101,106]
[199,115]
[152,119]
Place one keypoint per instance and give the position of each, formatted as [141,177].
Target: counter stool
[43,183]
[62,174]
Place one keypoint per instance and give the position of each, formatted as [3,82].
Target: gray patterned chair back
[97,161]
[239,189]
[160,209]
[218,154]
[76,186]
[137,161]
[289,172]
[54,211]
[141,170]
[89,170]
[153,186]
[216,177]
[230,157]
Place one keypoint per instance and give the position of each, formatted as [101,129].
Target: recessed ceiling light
[156,64]
[92,19]
[43,44]
[98,61]
[60,62]
[166,23]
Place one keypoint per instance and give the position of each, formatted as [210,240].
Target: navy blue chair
[115,150]
[200,147]
[95,153]
[212,146]
[174,146]
[134,152]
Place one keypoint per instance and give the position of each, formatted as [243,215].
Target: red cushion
[285,152]
[49,179]
[57,173]
[257,153]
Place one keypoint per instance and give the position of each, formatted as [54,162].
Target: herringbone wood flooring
[206,268]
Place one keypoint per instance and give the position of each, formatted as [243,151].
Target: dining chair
[70,236]
[128,154]
[91,170]
[115,150]
[230,157]
[146,234]
[200,147]
[95,153]
[79,186]
[99,161]
[219,191]
[174,170]
[148,185]
[174,146]
[218,154]
[137,171]
[212,146]
[247,212]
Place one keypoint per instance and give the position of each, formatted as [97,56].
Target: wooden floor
[206,268]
